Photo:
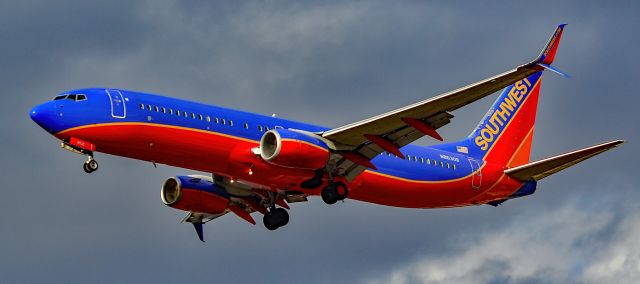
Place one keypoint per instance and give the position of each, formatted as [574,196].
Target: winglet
[549,52]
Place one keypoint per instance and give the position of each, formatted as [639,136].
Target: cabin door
[476,179]
[118,108]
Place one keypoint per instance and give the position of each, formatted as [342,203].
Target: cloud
[565,245]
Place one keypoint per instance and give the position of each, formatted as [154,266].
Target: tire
[268,221]
[330,194]
[282,217]
[86,168]
[92,165]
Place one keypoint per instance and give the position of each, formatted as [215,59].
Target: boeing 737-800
[262,163]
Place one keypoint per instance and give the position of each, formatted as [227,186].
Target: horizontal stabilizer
[538,170]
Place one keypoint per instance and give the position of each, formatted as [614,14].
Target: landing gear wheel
[269,221]
[330,194]
[275,218]
[282,216]
[92,165]
[86,168]
[334,192]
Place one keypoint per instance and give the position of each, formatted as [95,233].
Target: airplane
[262,163]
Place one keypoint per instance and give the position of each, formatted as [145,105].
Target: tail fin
[505,134]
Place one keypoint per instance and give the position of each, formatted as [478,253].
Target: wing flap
[540,169]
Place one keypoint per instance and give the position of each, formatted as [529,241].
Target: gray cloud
[329,63]
[577,242]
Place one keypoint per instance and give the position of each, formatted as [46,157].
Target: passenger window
[216,120]
[246,125]
[208,118]
[441,164]
[415,158]
[170,111]
[448,166]
[141,106]
[177,112]
[185,114]
[454,167]
[260,128]
[149,107]
[230,122]
[200,116]
[223,121]
[156,108]
[164,110]
[409,157]
[421,160]
[428,161]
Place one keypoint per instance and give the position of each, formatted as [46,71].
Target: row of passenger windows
[427,161]
[197,116]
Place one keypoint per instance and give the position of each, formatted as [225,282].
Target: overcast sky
[329,63]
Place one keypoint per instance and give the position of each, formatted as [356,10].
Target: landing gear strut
[334,192]
[90,165]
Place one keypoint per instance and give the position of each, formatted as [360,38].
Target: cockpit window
[73,97]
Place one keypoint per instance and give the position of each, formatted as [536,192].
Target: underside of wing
[359,142]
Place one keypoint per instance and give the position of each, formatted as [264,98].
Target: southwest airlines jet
[262,163]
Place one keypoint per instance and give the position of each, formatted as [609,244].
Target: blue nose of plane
[44,115]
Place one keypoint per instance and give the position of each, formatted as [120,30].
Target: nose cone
[44,115]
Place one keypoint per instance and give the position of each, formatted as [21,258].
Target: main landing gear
[90,165]
[334,192]
[276,217]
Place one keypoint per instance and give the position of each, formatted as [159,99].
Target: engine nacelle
[293,149]
[195,194]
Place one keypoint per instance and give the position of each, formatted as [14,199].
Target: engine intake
[293,149]
[195,194]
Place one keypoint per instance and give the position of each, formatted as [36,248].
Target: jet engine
[293,149]
[195,194]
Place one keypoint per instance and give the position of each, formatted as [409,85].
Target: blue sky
[329,63]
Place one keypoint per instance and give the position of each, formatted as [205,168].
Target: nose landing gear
[90,165]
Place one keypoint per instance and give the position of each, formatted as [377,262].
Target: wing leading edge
[361,141]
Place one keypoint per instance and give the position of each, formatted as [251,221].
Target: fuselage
[219,140]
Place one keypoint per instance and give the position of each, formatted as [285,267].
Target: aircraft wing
[361,141]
